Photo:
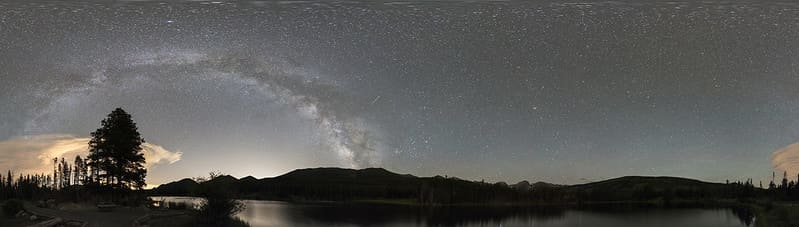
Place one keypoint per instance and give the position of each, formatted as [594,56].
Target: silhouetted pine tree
[10,183]
[771,184]
[55,173]
[115,150]
[76,171]
[784,185]
[66,173]
[2,188]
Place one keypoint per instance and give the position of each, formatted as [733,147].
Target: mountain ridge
[342,184]
[325,171]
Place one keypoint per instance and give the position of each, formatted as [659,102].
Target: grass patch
[769,213]
[12,207]
[179,220]
[10,220]
[189,220]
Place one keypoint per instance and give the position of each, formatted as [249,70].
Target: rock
[48,223]
[33,217]
[72,223]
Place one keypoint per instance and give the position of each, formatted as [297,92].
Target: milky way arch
[354,141]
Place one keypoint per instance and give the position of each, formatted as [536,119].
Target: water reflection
[744,214]
[273,213]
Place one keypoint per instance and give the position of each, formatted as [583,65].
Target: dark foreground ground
[88,215]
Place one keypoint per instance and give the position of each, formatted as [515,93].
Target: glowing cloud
[787,159]
[34,154]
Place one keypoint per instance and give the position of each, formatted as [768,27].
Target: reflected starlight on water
[273,213]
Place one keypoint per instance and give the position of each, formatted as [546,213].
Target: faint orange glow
[787,159]
[34,154]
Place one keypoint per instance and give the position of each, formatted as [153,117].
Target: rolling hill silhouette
[340,184]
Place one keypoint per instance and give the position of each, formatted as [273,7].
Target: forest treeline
[335,184]
[65,177]
[75,181]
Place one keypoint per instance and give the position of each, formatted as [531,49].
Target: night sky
[500,91]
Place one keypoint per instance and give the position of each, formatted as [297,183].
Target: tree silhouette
[771,184]
[784,185]
[66,171]
[55,173]
[220,205]
[115,152]
[77,171]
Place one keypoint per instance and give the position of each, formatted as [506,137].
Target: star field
[502,91]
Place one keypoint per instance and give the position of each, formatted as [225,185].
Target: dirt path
[121,216]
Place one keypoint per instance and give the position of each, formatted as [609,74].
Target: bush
[236,222]
[220,205]
[12,207]
[218,209]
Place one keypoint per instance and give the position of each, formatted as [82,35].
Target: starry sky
[497,91]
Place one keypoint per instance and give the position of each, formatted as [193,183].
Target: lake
[275,213]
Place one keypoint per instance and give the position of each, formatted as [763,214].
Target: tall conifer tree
[115,151]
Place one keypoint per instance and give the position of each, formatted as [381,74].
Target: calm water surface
[273,213]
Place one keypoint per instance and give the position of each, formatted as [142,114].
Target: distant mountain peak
[336,171]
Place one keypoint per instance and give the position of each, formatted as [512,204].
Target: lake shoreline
[402,213]
[410,202]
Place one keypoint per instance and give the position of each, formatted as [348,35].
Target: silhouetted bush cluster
[220,205]
[12,207]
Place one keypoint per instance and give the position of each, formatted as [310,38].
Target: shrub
[12,207]
[220,205]
[218,210]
